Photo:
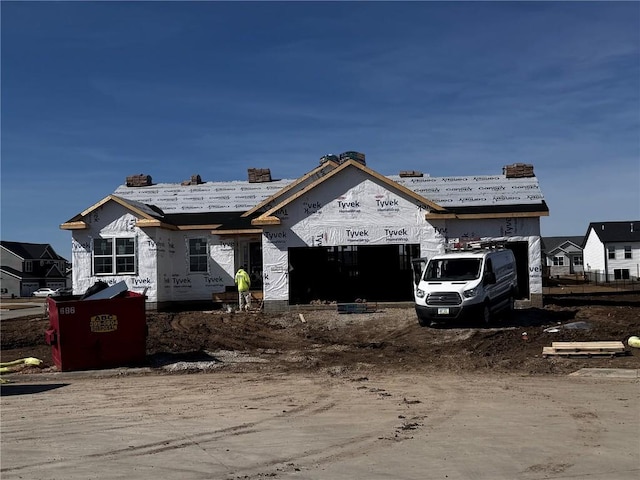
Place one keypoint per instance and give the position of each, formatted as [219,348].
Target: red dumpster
[95,334]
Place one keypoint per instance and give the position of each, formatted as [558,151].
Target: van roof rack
[470,244]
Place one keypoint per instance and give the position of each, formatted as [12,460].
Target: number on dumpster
[67,311]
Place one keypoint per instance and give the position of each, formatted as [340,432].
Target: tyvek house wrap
[162,266]
[356,209]
[236,196]
[111,220]
[352,209]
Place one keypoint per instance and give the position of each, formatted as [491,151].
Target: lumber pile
[583,349]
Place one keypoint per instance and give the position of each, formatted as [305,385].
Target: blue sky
[95,91]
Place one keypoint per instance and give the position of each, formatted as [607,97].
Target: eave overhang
[77,225]
[491,212]
[146,220]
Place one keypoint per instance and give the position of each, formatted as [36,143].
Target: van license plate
[443,311]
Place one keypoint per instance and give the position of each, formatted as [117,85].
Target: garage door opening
[378,273]
[521,253]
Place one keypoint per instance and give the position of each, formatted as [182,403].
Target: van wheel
[487,318]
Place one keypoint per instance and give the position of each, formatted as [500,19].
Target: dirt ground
[386,340]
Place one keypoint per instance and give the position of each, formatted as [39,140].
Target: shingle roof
[480,192]
[616,231]
[549,244]
[31,251]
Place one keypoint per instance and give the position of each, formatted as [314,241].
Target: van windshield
[453,269]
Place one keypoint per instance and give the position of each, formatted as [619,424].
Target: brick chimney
[518,170]
[259,175]
[139,180]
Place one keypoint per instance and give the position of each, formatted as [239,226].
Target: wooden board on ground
[615,346]
[232,297]
[225,297]
[583,348]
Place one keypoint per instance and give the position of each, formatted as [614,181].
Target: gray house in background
[612,250]
[562,255]
[25,267]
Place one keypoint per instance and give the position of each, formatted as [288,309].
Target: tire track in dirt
[415,417]
[318,404]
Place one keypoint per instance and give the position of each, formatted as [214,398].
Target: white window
[28,266]
[577,260]
[558,261]
[612,253]
[198,255]
[114,256]
[627,252]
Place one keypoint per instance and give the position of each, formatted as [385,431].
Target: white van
[466,284]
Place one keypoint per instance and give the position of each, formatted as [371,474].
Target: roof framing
[78,223]
[330,164]
[268,217]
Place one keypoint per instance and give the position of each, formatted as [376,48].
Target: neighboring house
[339,233]
[562,255]
[611,250]
[25,267]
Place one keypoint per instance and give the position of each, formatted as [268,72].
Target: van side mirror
[489,278]
[417,265]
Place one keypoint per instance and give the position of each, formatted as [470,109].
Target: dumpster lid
[110,292]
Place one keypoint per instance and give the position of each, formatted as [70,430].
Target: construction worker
[243,281]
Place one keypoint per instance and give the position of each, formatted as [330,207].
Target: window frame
[558,261]
[116,252]
[611,252]
[627,252]
[621,274]
[578,260]
[198,256]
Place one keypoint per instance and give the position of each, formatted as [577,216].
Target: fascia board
[11,274]
[330,164]
[146,223]
[199,227]
[240,231]
[118,200]
[77,225]
[13,253]
[469,216]
[53,267]
[132,208]
[265,220]
[570,247]
[350,163]
[77,222]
